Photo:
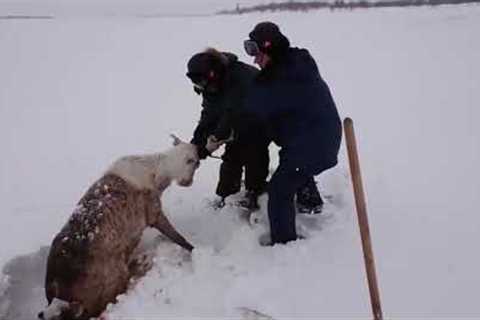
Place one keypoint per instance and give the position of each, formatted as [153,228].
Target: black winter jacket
[223,111]
[295,102]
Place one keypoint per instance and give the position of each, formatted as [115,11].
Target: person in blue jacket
[293,100]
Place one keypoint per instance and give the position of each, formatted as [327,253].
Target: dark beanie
[203,63]
[269,38]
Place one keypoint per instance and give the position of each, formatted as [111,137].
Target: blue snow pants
[283,185]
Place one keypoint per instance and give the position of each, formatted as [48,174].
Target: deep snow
[77,93]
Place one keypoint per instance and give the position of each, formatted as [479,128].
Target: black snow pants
[254,157]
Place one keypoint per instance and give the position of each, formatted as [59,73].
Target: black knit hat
[269,38]
[205,65]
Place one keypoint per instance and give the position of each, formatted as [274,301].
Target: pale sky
[58,7]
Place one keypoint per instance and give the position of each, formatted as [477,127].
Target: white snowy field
[77,93]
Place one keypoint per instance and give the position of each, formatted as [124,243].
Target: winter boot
[250,202]
[265,240]
[303,208]
[317,209]
[217,203]
[309,208]
[309,200]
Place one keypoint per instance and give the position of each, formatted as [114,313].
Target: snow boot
[309,209]
[308,198]
[265,240]
[217,203]
[250,202]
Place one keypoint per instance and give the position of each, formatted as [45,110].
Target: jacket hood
[231,57]
[299,65]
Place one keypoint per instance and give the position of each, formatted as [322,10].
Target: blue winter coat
[295,103]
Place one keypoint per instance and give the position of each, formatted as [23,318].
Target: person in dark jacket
[292,98]
[223,82]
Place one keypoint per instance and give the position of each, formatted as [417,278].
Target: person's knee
[279,190]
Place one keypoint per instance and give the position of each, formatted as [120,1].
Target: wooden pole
[362,218]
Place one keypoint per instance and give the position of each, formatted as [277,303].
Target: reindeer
[88,264]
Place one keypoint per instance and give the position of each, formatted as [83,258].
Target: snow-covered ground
[77,93]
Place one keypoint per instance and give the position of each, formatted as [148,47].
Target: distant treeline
[339,4]
[22,17]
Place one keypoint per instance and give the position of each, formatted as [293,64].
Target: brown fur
[88,261]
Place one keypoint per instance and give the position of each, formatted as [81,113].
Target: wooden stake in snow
[362,218]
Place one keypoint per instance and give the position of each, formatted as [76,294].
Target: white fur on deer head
[181,161]
[156,171]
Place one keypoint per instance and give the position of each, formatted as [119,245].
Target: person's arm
[232,103]
[202,131]
[223,131]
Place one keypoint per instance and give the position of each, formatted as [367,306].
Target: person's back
[292,99]
[302,109]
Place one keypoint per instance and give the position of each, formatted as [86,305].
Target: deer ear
[176,140]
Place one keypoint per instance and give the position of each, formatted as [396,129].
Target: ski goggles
[251,48]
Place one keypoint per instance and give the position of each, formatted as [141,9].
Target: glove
[213,144]
[202,152]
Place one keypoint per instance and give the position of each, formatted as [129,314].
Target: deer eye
[194,162]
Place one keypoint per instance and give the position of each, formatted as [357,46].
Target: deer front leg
[164,226]
[160,222]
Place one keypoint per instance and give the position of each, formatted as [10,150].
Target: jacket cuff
[202,152]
